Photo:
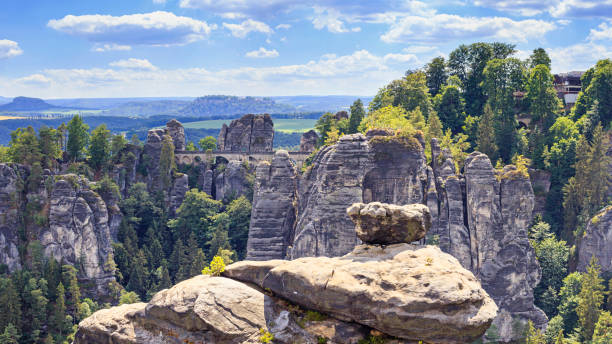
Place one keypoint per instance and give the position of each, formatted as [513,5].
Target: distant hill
[5,100]
[230,105]
[321,103]
[26,104]
[109,103]
[147,108]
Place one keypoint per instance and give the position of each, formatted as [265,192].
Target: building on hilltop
[568,85]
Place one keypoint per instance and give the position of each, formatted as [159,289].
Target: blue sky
[114,48]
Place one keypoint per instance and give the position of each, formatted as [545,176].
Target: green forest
[472,100]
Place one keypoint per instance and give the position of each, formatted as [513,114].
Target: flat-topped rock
[384,224]
[407,291]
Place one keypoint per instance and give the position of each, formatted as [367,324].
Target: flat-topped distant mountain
[5,100]
[27,104]
[231,105]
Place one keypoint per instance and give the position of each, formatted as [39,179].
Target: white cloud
[99,48]
[449,27]
[401,58]
[329,19]
[522,7]
[420,49]
[358,73]
[35,79]
[579,56]
[159,2]
[9,49]
[133,63]
[243,29]
[582,8]
[262,53]
[283,27]
[157,28]
[603,32]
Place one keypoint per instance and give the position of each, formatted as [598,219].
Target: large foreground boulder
[407,291]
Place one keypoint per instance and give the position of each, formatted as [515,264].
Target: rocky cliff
[68,218]
[400,293]
[250,133]
[273,213]
[480,216]
[597,241]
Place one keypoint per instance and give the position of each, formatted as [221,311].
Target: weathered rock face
[384,224]
[480,220]
[124,174]
[308,141]
[72,223]
[411,292]
[597,241]
[251,133]
[78,232]
[9,212]
[210,310]
[332,184]
[499,214]
[177,132]
[273,213]
[178,191]
[234,181]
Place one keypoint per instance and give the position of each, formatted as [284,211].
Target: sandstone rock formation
[333,183]
[480,217]
[234,180]
[177,133]
[597,241]
[211,310]
[71,222]
[384,224]
[273,213]
[250,133]
[407,291]
[78,232]
[308,141]
[9,212]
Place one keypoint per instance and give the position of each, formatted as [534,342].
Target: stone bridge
[189,157]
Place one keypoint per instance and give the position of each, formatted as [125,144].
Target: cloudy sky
[119,48]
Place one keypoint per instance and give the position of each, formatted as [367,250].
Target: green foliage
[48,139]
[539,57]
[314,316]
[371,339]
[216,267]
[458,147]
[78,138]
[451,108]
[207,143]
[502,77]
[239,213]
[590,299]
[128,297]
[436,75]
[388,117]
[409,93]
[107,189]
[554,328]
[603,329]
[100,148]
[568,301]
[357,115]
[486,134]
[329,124]
[167,164]
[195,215]
[266,336]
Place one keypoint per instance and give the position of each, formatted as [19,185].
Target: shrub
[216,267]
[266,336]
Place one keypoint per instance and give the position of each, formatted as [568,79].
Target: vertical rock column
[274,209]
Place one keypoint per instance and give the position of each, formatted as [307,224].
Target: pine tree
[100,148]
[590,299]
[357,115]
[138,275]
[534,336]
[175,258]
[436,75]
[59,312]
[10,304]
[10,335]
[486,134]
[198,263]
[77,138]
[69,278]
[434,127]
[603,329]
